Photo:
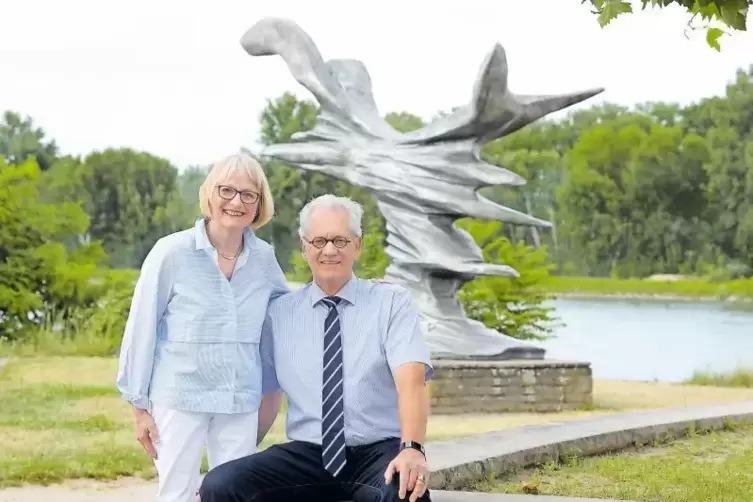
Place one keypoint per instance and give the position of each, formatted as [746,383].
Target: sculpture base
[512,386]
[460,338]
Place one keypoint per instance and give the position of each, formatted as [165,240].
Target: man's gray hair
[329,201]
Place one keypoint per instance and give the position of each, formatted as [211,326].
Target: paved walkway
[144,492]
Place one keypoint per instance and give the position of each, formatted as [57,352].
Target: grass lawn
[714,467]
[60,418]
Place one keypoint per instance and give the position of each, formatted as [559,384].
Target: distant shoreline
[656,288]
[674,289]
[578,295]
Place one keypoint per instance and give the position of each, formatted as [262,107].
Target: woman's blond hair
[239,163]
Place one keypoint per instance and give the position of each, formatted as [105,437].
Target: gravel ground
[127,490]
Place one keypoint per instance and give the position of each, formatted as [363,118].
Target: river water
[652,340]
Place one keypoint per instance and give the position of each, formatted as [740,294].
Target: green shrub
[94,330]
[46,267]
[512,306]
[741,377]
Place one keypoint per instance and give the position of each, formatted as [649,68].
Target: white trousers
[182,437]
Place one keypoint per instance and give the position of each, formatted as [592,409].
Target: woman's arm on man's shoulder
[276,277]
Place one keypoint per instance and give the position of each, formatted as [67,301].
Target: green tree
[46,271]
[633,195]
[20,141]
[188,183]
[726,123]
[132,197]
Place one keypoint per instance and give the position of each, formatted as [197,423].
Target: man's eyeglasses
[228,193]
[320,242]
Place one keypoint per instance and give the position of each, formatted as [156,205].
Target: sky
[170,77]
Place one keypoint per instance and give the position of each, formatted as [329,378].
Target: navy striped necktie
[333,418]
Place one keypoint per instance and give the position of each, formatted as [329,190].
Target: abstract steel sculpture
[422,180]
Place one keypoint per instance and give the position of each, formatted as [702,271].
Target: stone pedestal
[460,387]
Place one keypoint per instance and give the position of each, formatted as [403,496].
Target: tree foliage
[713,14]
[20,141]
[515,306]
[133,198]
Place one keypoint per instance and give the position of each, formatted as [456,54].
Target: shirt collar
[203,243]
[200,234]
[347,292]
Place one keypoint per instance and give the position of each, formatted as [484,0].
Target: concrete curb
[439,496]
[458,464]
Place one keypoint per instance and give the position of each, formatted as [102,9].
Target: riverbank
[669,289]
[62,419]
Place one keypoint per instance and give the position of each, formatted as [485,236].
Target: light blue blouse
[192,337]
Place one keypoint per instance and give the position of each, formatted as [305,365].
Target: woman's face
[234,203]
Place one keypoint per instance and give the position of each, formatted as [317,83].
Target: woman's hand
[146,431]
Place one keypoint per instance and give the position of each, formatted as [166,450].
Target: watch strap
[414,445]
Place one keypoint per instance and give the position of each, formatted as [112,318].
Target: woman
[189,362]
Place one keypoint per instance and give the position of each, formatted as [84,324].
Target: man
[350,355]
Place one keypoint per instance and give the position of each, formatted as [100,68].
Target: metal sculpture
[422,180]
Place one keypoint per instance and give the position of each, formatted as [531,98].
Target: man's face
[329,246]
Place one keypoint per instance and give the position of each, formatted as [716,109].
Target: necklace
[230,258]
[237,253]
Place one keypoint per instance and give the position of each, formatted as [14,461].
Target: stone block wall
[510,386]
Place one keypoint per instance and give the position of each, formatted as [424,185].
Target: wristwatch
[414,445]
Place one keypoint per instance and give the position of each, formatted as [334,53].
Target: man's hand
[411,465]
[146,431]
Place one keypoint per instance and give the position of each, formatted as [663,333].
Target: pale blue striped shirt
[380,332]
[192,337]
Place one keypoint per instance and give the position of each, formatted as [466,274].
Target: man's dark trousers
[293,471]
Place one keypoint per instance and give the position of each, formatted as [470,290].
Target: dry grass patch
[451,426]
[15,440]
[621,395]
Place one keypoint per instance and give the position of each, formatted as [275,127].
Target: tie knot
[331,301]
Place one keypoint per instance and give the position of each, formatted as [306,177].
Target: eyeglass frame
[257,196]
[328,240]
